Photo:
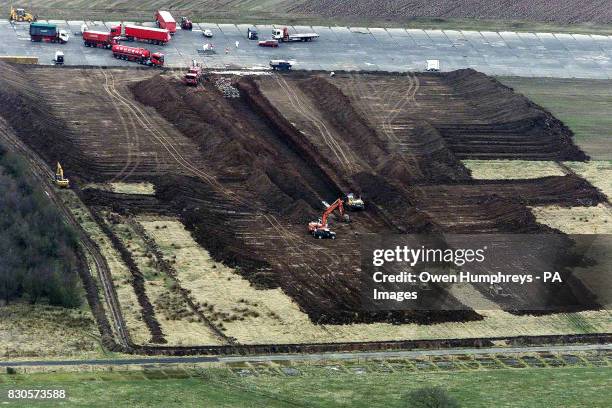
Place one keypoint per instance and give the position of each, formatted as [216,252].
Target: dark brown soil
[557,11]
[256,175]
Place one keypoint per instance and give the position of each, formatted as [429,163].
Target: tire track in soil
[293,242]
[131,136]
[332,143]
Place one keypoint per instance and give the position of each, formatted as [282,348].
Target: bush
[430,397]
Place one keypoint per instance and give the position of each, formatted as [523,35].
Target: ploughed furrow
[281,177]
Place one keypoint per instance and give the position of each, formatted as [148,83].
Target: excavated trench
[262,176]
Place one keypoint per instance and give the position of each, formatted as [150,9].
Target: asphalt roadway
[313,357]
[342,48]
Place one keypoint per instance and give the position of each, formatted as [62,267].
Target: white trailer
[283,35]
[433,65]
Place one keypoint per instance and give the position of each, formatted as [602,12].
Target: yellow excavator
[19,14]
[60,181]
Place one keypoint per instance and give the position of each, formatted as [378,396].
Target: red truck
[98,39]
[159,36]
[165,20]
[140,55]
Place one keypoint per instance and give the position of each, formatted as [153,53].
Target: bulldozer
[354,203]
[60,180]
[20,15]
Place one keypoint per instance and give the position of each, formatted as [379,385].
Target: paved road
[313,357]
[394,49]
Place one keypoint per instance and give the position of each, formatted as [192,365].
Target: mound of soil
[33,120]
[501,124]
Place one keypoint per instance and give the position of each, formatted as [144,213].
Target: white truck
[282,34]
[433,65]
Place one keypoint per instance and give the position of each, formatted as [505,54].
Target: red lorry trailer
[159,36]
[165,20]
[140,55]
[98,39]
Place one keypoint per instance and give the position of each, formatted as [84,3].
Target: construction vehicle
[20,15]
[284,36]
[151,35]
[59,58]
[252,33]
[354,203]
[140,55]
[281,65]
[165,20]
[186,24]
[99,39]
[60,180]
[42,32]
[194,76]
[320,228]
[433,65]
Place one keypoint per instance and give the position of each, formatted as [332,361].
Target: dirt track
[246,174]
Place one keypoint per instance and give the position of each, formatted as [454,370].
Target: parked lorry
[284,36]
[165,20]
[47,33]
[99,39]
[140,55]
[151,35]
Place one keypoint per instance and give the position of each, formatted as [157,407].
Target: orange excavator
[319,229]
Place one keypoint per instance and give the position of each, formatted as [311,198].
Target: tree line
[38,251]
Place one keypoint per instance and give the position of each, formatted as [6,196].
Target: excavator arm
[336,204]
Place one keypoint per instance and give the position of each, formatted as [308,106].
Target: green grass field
[584,105]
[321,387]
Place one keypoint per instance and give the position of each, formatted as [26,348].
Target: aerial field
[200,201]
[583,105]
[362,384]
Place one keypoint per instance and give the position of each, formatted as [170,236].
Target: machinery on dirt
[194,76]
[139,55]
[354,203]
[284,36]
[58,59]
[320,228]
[186,24]
[60,180]
[21,15]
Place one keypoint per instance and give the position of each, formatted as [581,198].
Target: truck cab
[252,34]
[157,59]
[59,58]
